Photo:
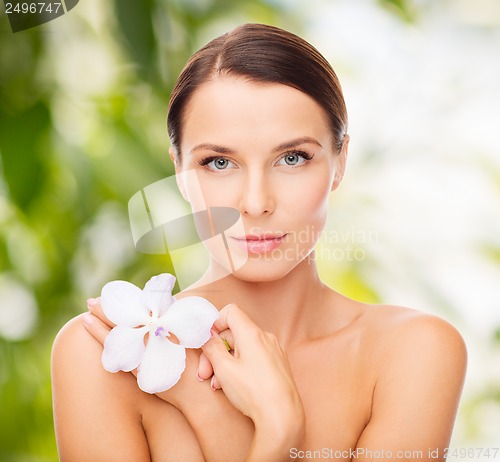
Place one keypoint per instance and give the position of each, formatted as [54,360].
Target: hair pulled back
[262,54]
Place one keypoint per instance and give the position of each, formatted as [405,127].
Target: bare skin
[311,369]
[384,377]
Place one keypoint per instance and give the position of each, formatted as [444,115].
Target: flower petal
[162,365]
[123,348]
[122,304]
[157,293]
[190,319]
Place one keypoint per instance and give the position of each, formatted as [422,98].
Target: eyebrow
[287,145]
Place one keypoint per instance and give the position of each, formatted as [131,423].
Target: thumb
[216,350]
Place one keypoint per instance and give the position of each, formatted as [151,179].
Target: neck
[289,307]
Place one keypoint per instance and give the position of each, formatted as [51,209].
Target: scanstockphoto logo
[24,15]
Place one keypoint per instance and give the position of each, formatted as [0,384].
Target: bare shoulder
[72,338]
[393,337]
[75,353]
[419,362]
[407,328]
[89,401]
[385,327]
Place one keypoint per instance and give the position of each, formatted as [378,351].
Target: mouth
[261,243]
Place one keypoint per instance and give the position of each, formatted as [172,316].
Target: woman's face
[265,150]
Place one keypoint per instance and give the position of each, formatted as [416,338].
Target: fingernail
[212,383]
[92,301]
[212,333]
[198,377]
[87,319]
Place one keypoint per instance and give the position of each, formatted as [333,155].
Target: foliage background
[82,128]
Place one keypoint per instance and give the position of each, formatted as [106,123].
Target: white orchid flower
[155,311]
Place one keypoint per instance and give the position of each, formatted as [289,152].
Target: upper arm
[94,415]
[417,391]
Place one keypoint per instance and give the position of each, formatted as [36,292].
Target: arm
[95,418]
[417,392]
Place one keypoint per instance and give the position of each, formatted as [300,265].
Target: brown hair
[266,54]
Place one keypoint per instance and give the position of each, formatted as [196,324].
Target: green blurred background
[83,103]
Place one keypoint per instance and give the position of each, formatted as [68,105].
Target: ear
[179,177]
[341,162]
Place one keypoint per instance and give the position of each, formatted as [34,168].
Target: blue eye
[292,159]
[220,163]
[215,163]
[295,158]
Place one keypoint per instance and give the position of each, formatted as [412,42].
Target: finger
[241,326]
[95,327]
[214,383]
[205,369]
[94,306]
[216,351]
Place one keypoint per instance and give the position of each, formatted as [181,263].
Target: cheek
[212,192]
[308,199]
[203,192]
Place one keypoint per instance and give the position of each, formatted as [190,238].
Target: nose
[256,197]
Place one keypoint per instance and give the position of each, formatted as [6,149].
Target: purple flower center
[161,332]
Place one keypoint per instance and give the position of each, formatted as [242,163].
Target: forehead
[236,112]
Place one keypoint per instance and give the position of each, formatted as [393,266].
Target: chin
[264,271]
[257,267]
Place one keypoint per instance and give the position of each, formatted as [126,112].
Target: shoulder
[88,400]
[70,344]
[77,369]
[392,338]
[419,363]
[72,333]
[76,353]
[406,327]
[386,326]
[408,344]
[76,358]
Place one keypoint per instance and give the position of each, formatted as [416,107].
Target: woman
[258,115]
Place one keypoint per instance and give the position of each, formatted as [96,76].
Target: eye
[220,163]
[295,158]
[215,163]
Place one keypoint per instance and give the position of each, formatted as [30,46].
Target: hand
[257,378]
[95,311]
[259,383]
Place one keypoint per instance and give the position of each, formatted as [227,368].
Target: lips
[261,243]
